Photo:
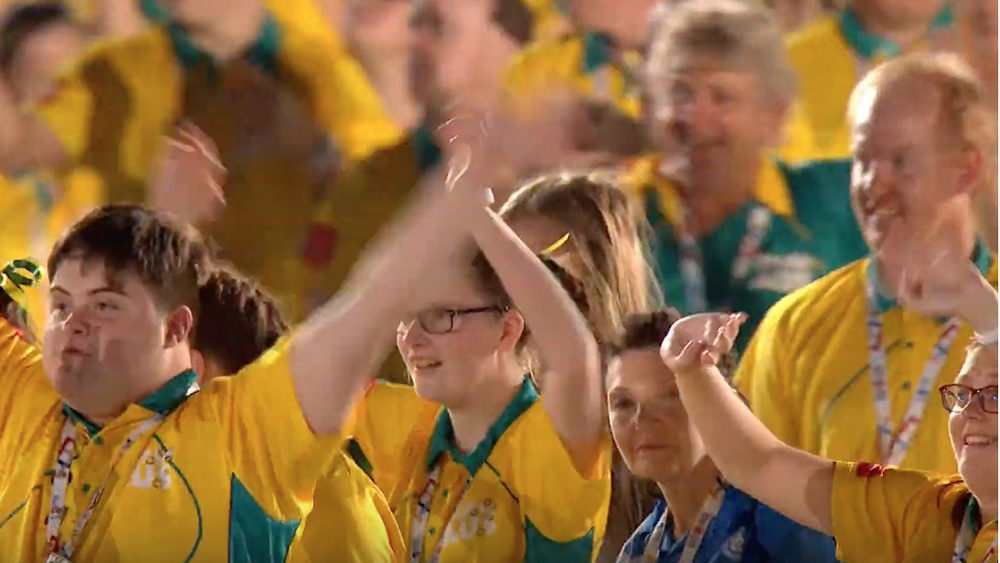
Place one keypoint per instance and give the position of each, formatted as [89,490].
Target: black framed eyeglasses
[955,397]
[442,321]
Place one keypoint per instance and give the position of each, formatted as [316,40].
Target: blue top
[745,530]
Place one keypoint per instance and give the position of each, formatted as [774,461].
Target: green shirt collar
[442,438]
[871,46]
[262,53]
[596,51]
[883,300]
[163,401]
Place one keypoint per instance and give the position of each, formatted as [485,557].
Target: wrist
[979,308]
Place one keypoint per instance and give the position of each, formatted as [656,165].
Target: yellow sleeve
[389,430]
[343,100]
[22,379]
[561,506]
[350,521]
[873,507]
[271,448]
[765,377]
[68,112]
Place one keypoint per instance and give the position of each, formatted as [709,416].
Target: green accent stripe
[358,455]
[194,498]
[14,512]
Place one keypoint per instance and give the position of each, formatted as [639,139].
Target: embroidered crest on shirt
[472,519]
[734,546]
[153,469]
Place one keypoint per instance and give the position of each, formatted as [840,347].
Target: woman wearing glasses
[474,463]
[875,513]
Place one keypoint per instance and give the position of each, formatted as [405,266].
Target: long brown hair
[606,250]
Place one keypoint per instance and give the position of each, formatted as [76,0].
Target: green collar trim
[442,438]
[263,53]
[154,11]
[597,51]
[981,256]
[163,401]
[871,46]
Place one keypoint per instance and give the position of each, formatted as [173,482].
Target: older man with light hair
[840,368]
[734,228]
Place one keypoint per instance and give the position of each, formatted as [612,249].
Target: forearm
[979,307]
[568,351]
[791,481]
[335,351]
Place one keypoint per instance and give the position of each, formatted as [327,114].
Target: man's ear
[180,322]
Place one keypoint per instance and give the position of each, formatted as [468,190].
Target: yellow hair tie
[555,246]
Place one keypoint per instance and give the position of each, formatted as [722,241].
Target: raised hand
[188,180]
[945,284]
[698,341]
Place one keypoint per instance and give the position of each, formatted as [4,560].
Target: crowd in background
[828,170]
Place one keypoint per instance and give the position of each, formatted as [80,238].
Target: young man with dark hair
[109,450]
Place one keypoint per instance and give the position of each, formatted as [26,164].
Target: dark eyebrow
[102,289]
[108,289]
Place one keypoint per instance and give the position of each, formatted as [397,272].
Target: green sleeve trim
[540,549]
[253,535]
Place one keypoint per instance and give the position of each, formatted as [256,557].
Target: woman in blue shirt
[701,518]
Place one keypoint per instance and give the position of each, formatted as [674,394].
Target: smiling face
[648,420]
[973,431]
[452,368]
[106,339]
[909,178]
[717,120]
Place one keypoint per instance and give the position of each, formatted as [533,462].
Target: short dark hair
[239,320]
[647,330]
[21,21]
[169,256]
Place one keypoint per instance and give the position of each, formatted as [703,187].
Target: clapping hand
[699,341]
[188,181]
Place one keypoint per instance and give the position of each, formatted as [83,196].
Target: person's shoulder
[558,56]
[151,46]
[807,39]
[834,172]
[820,187]
[822,301]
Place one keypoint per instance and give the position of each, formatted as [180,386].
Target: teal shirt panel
[821,237]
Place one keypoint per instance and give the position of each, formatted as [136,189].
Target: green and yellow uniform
[809,230]
[584,63]
[516,497]
[830,55]
[225,473]
[807,370]
[888,514]
[279,116]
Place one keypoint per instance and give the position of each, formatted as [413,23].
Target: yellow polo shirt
[526,502]
[894,515]
[806,371]
[282,118]
[830,55]
[228,474]
[34,220]
[581,62]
